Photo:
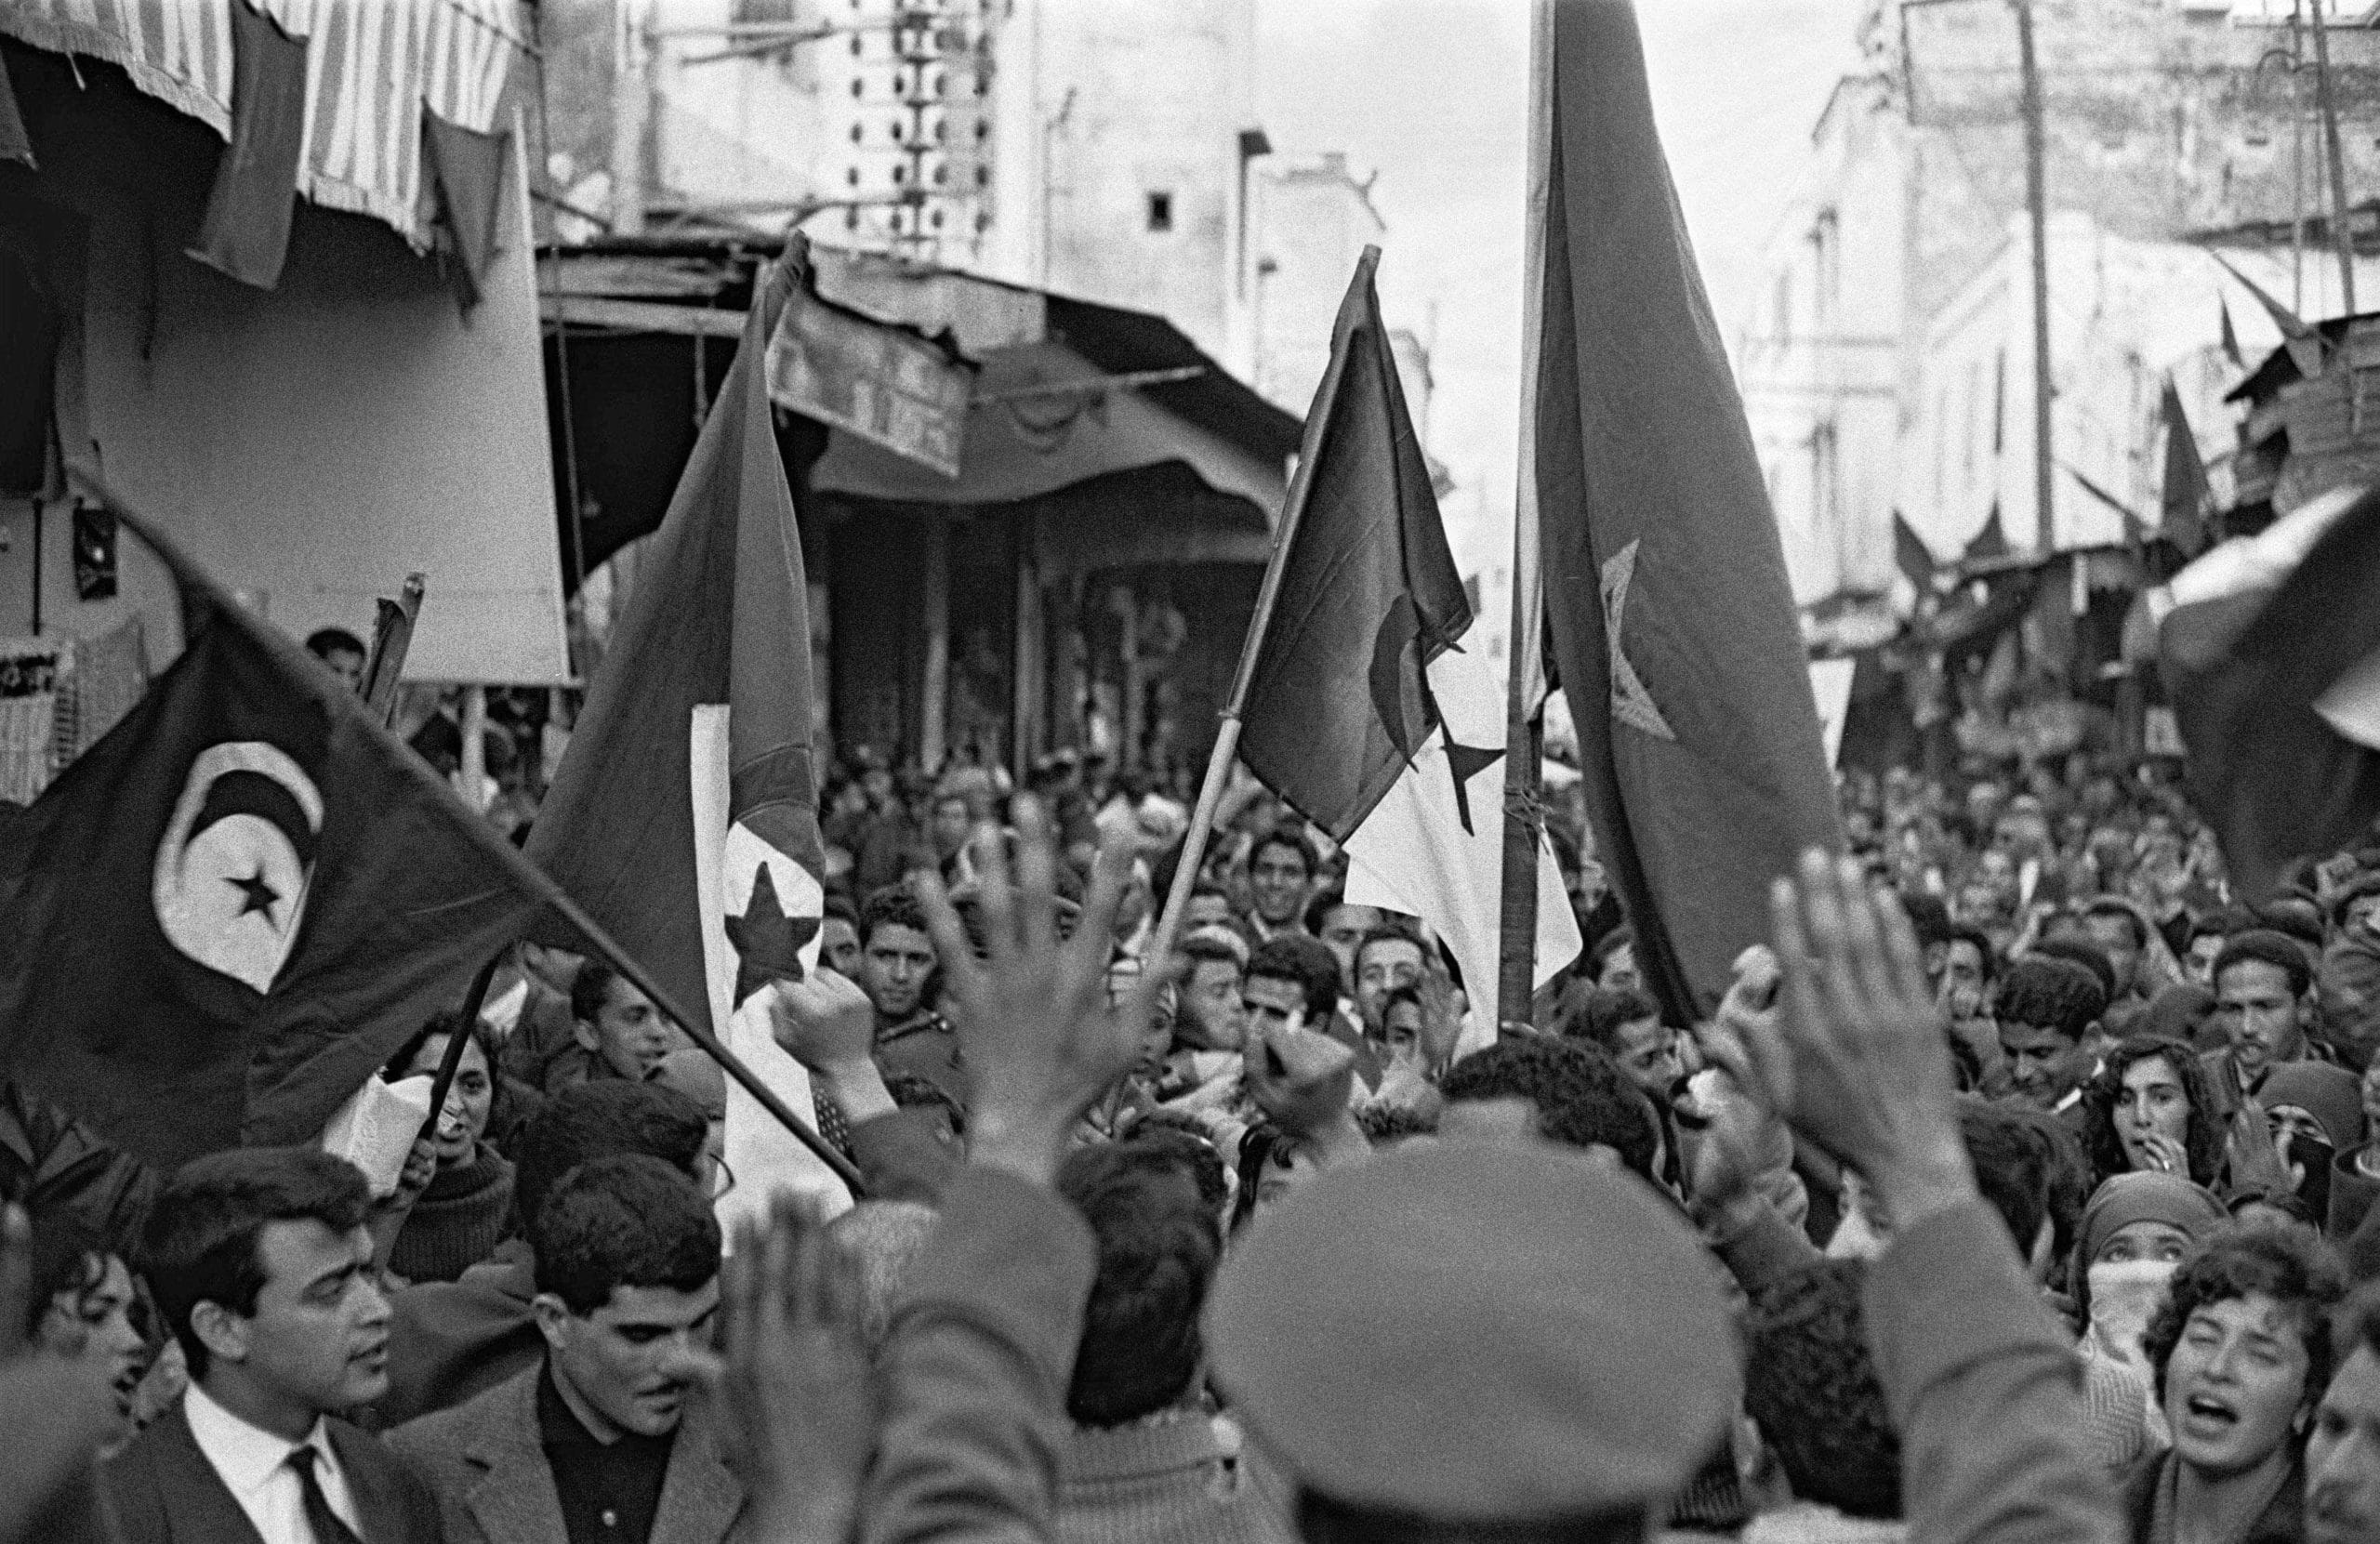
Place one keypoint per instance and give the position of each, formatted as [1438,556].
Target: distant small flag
[2187,498]
[1988,543]
[2230,339]
[2303,343]
[1911,554]
[2135,530]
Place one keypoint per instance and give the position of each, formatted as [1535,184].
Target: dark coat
[2283,1522]
[161,1490]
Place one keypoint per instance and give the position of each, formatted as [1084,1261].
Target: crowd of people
[2019,1187]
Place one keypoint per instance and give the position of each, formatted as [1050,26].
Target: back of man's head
[628,1220]
[1309,963]
[883,1240]
[602,1119]
[198,1241]
[2029,1171]
[1159,1243]
[1600,1016]
[1581,1097]
[1811,1388]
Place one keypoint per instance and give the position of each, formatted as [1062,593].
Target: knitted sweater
[1183,1480]
[458,1221]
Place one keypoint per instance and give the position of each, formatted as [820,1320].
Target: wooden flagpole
[392,640]
[531,880]
[1210,791]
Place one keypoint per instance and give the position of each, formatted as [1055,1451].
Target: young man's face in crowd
[2263,1020]
[1647,1053]
[319,1337]
[1618,972]
[632,1361]
[628,1035]
[2045,1064]
[2343,1457]
[1342,929]
[1401,1032]
[1271,1003]
[1963,983]
[1381,968]
[1277,880]
[2113,937]
[1211,1017]
[2199,964]
[1208,910]
[347,664]
[2236,1382]
[894,964]
[838,946]
[951,823]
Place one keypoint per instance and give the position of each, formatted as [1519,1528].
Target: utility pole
[2037,202]
[2340,236]
[632,104]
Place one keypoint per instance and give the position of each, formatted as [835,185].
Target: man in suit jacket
[602,1440]
[263,1267]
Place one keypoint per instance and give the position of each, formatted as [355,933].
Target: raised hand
[1034,1020]
[1302,1079]
[826,1023]
[794,1389]
[1867,1074]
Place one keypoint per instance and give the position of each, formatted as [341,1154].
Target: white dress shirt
[254,1466]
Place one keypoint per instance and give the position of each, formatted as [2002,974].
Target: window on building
[1161,211]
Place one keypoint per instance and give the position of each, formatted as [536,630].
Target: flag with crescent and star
[1672,626]
[1372,709]
[228,913]
[683,815]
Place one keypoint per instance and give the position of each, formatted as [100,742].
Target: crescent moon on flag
[230,883]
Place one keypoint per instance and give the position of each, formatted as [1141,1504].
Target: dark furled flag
[1911,556]
[2186,497]
[1370,709]
[467,168]
[2270,650]
[2231,335]
[683,816]
[2305,344]
[228,913]
[246,231]
[1988,543]
[1674,628]
[2135,530]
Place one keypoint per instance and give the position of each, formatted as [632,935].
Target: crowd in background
[2017,1190]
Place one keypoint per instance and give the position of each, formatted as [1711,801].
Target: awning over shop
[374,68]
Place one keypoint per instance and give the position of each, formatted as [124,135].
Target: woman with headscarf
[2137,1227]
[2316,1111]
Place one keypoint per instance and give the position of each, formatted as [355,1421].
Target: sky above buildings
[1434,95]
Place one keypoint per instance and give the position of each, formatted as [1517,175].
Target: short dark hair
[1291,835]
[840,909]
[604,1118]
[198,1243]
[1207,951]
[1389,932]
[1968,932]
[1582,1099]
[2354,1325]
[2030,1169]
[444,1022]
[1604,1011]
[2263,946]
[2368,885]
[2090,957]
[894,907]
[1306,961]
[626,1221]
[2220,923]
[2289,1264]
[2050,994]
[2107,906]
[323,642]
[1170,1139]
[1320,906]
[1928,917]
[2203,1134]
[1158,1246]
[1811,1386]
[67,1256]
[590,989]
[1610,943]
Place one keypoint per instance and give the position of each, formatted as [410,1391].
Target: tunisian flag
[228,913]
[683,816]
[1371,710]
[1673,625]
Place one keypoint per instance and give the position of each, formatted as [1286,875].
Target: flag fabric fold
[1911,556]
[2186,497]
[2270,650]
[246,231]
[1370,708]
[683,816]
[1673,624]
[232,908]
